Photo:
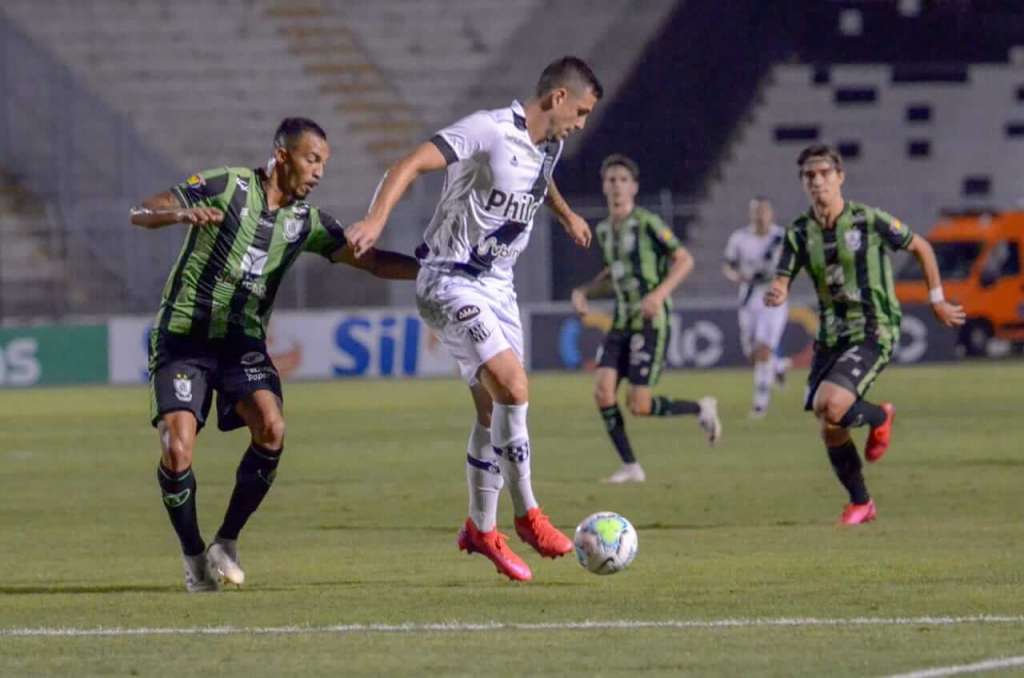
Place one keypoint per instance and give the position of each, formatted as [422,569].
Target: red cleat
[855,514]
[492,545]
[878,438]
[536,529]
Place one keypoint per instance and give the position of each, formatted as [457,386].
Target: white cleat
[198,578]
[222,555]
[629,473]
[708,419]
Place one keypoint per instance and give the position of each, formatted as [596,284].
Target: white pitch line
[978,667]
[499,626]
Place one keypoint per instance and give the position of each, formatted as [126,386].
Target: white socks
[483,478]
[511,441]
[764,377]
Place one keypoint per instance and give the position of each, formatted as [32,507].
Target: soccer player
[246,228]
[498,167]
[842,246]
[751,256]
[644,263]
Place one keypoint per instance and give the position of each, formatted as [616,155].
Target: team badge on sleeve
[195,181]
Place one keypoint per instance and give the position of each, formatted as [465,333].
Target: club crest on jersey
[853,239]
[292,229]
[183,388]
[513,205]
[467,313]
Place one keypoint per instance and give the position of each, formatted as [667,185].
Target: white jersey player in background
[499,167]
[750,258]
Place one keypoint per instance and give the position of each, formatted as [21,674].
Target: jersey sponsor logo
[292,229]
[195,181]
[242,183]
[266,223]
[183,388]
[252,358]
[244,212]
[493,249]
[514,205]
[258,374]
[467,313]
[478,333]
[853,239]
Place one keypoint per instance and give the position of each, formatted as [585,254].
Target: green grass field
[360,528]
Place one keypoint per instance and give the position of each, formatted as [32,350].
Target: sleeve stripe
[180,195]
[446,149]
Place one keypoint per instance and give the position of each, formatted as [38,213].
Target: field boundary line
[454,626]
[977,667]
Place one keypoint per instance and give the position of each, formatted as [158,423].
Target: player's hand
[651,305]
[579,301]
[777,293]
[949,314]
[578,229]
[200,216]
[363,234]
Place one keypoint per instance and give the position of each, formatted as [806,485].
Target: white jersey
[496,180]
[755,257]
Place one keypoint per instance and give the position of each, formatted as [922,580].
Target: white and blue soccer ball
[605,543]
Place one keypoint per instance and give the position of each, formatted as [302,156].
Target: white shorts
[473,321]
[762,325]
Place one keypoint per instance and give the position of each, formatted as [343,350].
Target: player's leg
[647,349]
[180,401]
[871,359]
[483,473]
[612,362]
[764,376]
[831,401]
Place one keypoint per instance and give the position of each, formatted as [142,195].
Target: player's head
[620,180]
[821,173]
[761,213]
[300,155]
[567,91]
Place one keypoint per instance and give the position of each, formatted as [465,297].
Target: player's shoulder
[646,216]
[800,223]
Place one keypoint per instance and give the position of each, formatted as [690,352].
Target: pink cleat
[492,546]
[856,514]
[878,438]
[536,529]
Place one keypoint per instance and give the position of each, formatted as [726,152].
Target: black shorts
[637,355]
[184,373]
[851,366]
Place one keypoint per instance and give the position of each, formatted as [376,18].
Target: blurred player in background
[246,228]
[751,255]
[842,245]
[644,263]
[498,167]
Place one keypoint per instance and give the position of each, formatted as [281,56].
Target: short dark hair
[569,71]
[291,130]
[819,150]
[619,160]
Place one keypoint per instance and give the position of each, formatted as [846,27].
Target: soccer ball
[605,543]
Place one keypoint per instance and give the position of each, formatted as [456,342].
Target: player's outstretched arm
[778,292]
[575,225]
[682,264]
[380,263]
[948,314]
[364,233]
[598,286]
[163,209]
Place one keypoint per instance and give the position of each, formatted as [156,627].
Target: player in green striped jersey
[842,246]
[246,228]
[644,262]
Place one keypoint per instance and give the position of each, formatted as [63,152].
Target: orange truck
[980,260]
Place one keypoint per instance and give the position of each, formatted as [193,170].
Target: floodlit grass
[360,529]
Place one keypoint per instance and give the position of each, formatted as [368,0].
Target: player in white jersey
[750,259]
[498,172]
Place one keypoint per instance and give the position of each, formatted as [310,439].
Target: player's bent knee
[604,397]
[270,434]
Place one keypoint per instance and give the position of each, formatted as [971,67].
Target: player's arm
[682,264]
[790,262]
[380,263]
[948,314]
[575,225]
[364,233]
[600,285]
[164,209]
